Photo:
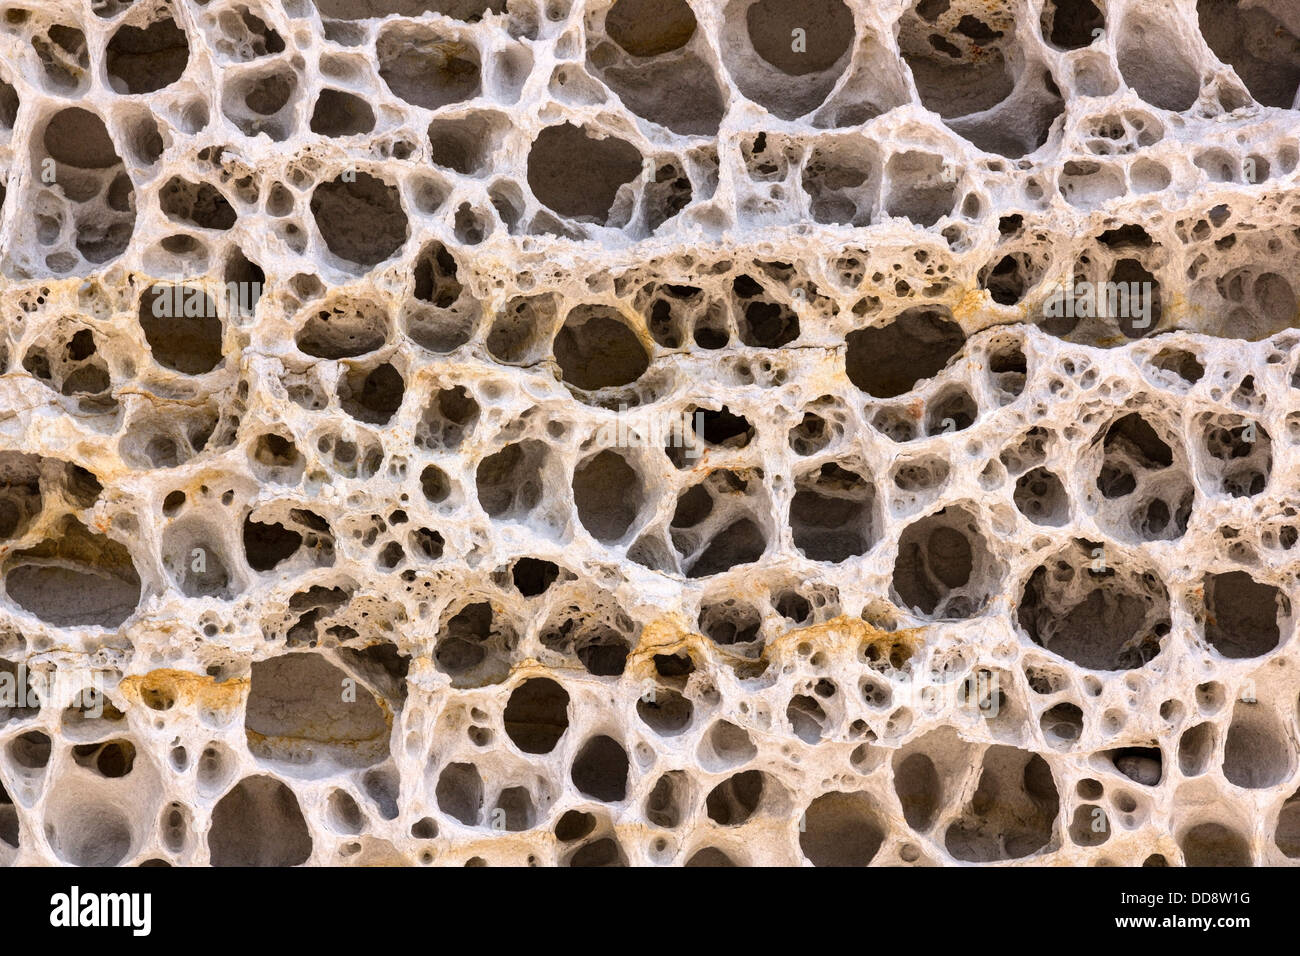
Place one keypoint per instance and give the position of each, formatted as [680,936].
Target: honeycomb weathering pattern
[343,346]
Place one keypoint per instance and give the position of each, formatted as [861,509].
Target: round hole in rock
[768,325]
[735,800]
[79,579]
[917,784]
[596,349]
[537,715]
[1040,497]
[1144,765]
[92,835]
[600,770]
[710,856]
[1195,748]
[1213,844]
[1256,752]
[114,758]
[1090,826]
[474,645]
[343,813]
[650,27]
[723,427]
[266,94]
[533,576]
[602,852]
[31,750]
[886,361]
[464,144]
[1241,614]
[1011,814]
[268,544]
[1095,608]
[199,204]
[663,807]
[840,829]
[434,484]
[952,410]
[510,481]
[608,494]
[665,711]
[270,450]
[825,33]
[460,793]
[578,175]
[515,809]
[1071,24]
[372,396]
[938,559]
[1286,836]
[806,717]
[176,826]
[78,138]
[436,276]
[360,218]
[259,823]
[345,329]
[1062,724]
[574,825]
[216,766]
[341,114]
[831,514]
[725,746]
[1130,444]
[730,622]
[602,650]
[449,416]
[423,65]
[520,328]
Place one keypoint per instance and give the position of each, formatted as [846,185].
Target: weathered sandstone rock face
[727,432]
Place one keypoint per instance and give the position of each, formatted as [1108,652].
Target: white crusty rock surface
[337,519]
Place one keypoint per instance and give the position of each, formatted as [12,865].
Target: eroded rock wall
[491,431]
